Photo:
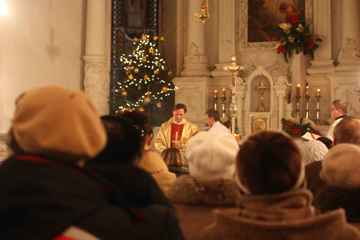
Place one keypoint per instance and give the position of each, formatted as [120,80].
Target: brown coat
[187,190]
[285,216]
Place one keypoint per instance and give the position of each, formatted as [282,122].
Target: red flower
[280,49]
[293,19]
[296,132]
[310,44]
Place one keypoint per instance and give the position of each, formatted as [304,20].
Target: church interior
[208,89]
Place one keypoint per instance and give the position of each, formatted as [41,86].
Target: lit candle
[215,93]
[224,92]
[318,92]
[307,90]
[298,88]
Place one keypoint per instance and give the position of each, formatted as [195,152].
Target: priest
[175,132]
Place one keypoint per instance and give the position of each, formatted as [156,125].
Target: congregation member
[347,131]
[275,203]
[211,159]
[45,193]
[175,132]
[340,172]
[117,163]
[213,121]
[337,113]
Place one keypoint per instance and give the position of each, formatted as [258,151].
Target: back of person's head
[211,156]
[56,122]
[339,106]
[341,166]
[126,133]
[268,163]
[326,141]
[180,106]
[347,131]
[211,113]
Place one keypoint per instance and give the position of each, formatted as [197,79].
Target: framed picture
[258,20]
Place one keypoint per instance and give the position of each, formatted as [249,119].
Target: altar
[266,88]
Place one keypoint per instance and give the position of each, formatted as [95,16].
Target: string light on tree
[146,80]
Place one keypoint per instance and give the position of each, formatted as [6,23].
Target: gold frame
[243,25]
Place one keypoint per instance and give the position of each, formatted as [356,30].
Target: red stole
[176,132]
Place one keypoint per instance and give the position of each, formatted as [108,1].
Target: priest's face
[178,115]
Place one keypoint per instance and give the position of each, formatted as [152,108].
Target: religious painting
[265,15]
[258,124]
[259,19]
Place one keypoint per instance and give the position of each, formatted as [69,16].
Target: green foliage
[296,37]
[145,83]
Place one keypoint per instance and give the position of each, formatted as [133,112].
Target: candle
[215,93]
[318,92]
[307,90]
[298,88]
[224,92]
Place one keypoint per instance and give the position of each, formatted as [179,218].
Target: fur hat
[211,156]
[53,120]
[341,166]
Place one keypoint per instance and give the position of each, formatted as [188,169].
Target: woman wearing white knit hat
[211,159]
[276,204]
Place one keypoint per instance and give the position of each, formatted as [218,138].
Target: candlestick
[318,92]
[318,96]
[307,90]
[298,89]
[215,99]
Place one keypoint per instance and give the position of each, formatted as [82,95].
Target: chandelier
[203,14]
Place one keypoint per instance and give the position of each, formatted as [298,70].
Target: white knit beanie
[341,166]
[212,156]
[311,150]
[55,120]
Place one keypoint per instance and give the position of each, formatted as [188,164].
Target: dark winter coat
[40,200]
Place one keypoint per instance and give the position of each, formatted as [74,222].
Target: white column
[349,54]
[226,31]
[196,62]
[96,73]
[322,27]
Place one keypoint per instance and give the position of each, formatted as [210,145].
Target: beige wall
[41,43]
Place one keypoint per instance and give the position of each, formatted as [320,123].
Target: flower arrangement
[295,35]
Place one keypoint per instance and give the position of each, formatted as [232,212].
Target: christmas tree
[145,82]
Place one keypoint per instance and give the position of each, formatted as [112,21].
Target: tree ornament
[124,93]
[130,77]
[146,77]
[151,50]
[147,100]
[158,104]
[165,89]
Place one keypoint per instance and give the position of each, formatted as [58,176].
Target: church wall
[41,43]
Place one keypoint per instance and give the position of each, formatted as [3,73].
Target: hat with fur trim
[211,156]
[53,120]
[341,166]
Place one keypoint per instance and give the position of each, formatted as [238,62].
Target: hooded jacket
[287,216]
